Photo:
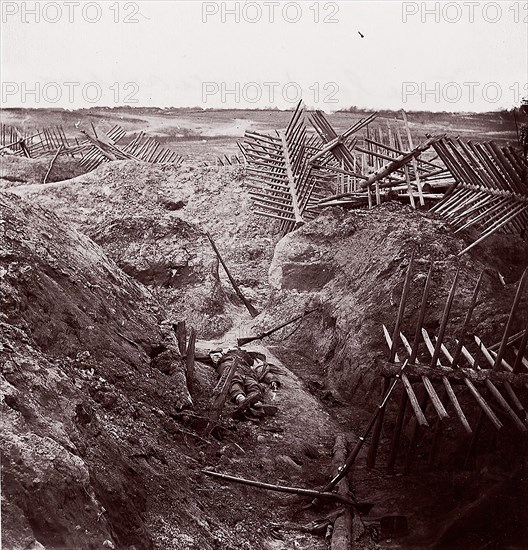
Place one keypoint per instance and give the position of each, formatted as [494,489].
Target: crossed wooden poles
[492,372]
[34,145]
[93,150]
[295,173]
[495,373]
[281,181]
[491,192]
[98,149]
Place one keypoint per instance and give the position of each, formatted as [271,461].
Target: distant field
[207,134]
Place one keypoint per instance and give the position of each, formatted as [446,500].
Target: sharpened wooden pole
[61,147]
[515,304]
[407,385]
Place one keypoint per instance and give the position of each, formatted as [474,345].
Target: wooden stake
[61,147]
[515,304]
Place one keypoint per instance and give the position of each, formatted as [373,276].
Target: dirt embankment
[151,221]
[83,394]
[96,451]
[15,170]
[354,264]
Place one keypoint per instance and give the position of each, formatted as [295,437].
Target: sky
[433,56]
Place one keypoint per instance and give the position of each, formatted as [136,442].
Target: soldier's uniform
[252,375]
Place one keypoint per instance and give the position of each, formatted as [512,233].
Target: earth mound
[82,391]
[16,171]
[152,220]
[353,264]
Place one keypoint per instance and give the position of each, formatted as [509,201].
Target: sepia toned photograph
[263,275]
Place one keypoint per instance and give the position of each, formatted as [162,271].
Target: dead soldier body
[253,374]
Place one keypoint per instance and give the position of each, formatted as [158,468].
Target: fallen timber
[457,376]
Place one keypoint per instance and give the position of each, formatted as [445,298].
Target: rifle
[342,471]
[243,341]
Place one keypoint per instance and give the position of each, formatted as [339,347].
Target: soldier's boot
[244,403]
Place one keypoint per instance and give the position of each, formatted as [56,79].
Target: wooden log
[456,376]
[396,164]
[189,363]
[342,533]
